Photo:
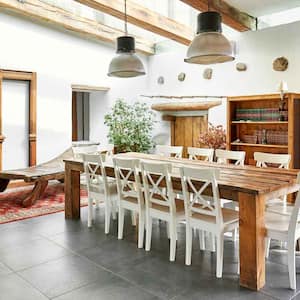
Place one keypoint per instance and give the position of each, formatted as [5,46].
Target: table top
[247,179]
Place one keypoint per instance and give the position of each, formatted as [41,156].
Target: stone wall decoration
[241,67]
[207,73]
[181,76]
[160,80]
[280,64]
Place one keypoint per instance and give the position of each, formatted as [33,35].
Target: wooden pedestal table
[248,185]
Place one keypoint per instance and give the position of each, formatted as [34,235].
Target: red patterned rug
[52,201]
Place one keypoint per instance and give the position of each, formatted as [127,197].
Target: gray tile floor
[53,258]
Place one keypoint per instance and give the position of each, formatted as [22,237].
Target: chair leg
[114,208]
[172,240]
[189,244]
[168,230]
[267,247]
[202,239]
[292,265]
[148,233]
[141,230]
[234,234]
[133,218]
[90,211]
[97,201]
[107,216]
[212,245]
[220,249]
[121,223]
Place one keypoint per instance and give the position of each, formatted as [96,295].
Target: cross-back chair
[205,213]
[161,202]
[169,151]
[130,194]
[99,187]
[194,153]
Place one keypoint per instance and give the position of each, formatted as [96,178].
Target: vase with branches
[214,137]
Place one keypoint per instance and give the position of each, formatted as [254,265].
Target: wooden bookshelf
[237,129]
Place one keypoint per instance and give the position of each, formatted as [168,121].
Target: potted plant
[130,126]
[214,138]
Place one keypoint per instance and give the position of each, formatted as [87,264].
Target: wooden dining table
[248,185]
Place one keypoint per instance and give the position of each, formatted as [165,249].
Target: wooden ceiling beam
[231,16]
[145,18]
[52,15]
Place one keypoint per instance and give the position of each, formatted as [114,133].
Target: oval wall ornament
[280,64]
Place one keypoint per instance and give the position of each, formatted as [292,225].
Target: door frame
[31,77]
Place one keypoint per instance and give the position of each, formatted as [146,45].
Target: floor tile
[12,237]
[4,270]
[116,289]
[63,275]
[31,254]
[12,287]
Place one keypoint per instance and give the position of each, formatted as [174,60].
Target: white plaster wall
[60,59]
[256,49]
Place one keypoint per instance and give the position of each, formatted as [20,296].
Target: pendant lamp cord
[125,17]
[208,5]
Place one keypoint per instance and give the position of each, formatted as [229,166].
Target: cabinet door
[15,121]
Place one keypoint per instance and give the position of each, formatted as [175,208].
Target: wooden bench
[39,175]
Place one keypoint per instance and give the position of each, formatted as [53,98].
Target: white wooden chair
[282,161]
[287,230]
[130,194]
[161,202]
[226,156]
[169,151]
[80,150]
[206,214]
[78,153]
[99,187]
[194,153]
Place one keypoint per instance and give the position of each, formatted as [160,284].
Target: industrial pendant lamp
[209,46]
[126,63]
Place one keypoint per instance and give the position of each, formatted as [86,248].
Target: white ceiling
[258,8]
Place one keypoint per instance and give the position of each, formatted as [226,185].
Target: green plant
[130,126]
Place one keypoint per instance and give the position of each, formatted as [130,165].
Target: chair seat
[229,216]
[179,207]
[280,208]
[276,222]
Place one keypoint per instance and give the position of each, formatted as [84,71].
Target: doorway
[17,119]
[80,116]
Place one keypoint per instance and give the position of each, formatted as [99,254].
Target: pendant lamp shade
[126,63]
[209,46]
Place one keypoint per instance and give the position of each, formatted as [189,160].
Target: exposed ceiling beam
[60,18]
[144,18]
[231,16]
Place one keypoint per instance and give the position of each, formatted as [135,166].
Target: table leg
[252,241]
[72,193]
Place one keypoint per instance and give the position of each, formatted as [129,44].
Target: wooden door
[187,131]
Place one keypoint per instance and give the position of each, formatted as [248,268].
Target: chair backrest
[128,178]
[94,163]
[108,150]
[224,156]
[169,151]
[195,153]
[80,150]
[158,185]
[294,224]
[263,159]
[200,204]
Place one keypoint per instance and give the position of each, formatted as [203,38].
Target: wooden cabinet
[240,130]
